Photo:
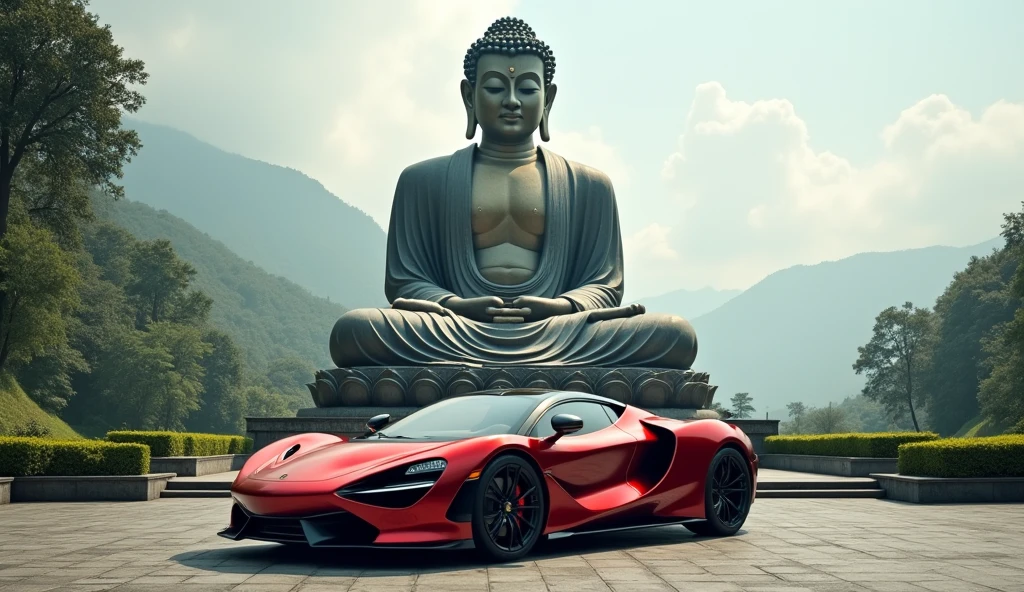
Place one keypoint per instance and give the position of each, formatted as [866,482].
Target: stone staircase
[840,487]
[196,488]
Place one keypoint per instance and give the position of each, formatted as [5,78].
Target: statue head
[508,89]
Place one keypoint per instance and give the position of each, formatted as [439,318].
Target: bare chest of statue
[508,217]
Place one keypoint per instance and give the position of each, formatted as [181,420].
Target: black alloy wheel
[727,495]
[509,511]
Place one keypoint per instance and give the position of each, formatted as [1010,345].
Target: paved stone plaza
[787,545]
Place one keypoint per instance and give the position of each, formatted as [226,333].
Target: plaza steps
[841,487]
[196,488]
[810,489]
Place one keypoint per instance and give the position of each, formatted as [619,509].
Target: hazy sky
[742,137]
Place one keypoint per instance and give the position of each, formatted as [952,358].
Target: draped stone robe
[431,257]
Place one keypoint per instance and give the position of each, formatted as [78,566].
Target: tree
[1002,393]
[159,284]
[977,301]
[152,379]
[47,379]
[797,411]
[1013,229]
[223,403]
[63,86]
[40,282]
[896,357]
[184,387]
[741,405]
[827,420]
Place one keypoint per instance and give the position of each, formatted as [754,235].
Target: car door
[591,465]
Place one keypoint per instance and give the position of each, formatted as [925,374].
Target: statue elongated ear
[549,99]
[467,101]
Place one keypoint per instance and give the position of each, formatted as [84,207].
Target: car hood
[342,458]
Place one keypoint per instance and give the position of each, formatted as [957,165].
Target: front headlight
[430,466]
[399,487]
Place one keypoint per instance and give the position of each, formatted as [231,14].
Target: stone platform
[420,386]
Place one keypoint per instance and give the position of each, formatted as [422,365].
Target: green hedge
[994,456]
[26,456]
[873,445]
[184,443]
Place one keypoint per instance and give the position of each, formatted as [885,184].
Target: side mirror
[564,424]
[376,423]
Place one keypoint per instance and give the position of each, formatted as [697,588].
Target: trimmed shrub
[184,443]
[1017,429]
[872,445]
[26,456]
[994,456]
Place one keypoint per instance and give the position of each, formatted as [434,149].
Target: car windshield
[465,417]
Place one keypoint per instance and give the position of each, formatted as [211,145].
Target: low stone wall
[116,488]
[5,490]
[844,466]
[757,430]
[197,466]
[936,490]
[340,421]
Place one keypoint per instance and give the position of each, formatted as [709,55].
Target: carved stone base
[418,386]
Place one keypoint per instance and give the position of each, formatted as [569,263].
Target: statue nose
[512,102]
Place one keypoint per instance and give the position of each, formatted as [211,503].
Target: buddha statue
[504,253]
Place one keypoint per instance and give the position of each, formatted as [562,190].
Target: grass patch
[872,445]
[980,427]
[20,415]
[26,457]
[995,456]
[184,443]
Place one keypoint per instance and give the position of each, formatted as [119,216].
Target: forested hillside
[268,316]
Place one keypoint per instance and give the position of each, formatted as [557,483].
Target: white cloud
[405,106]
[650,243]
[761,198]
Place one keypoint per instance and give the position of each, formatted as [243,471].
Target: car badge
[283,476]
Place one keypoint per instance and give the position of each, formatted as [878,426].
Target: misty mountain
[689,304]
[267,316]
[794,335]
[283,221]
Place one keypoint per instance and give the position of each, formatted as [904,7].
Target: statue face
[509,99]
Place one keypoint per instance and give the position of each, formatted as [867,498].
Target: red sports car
[497,471]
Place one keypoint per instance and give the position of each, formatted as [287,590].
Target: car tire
[509,511]
[727,495]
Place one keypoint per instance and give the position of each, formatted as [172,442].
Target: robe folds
[430,256]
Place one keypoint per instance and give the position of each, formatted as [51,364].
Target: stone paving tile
[787,545]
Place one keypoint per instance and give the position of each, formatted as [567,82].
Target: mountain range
[794,335]
[689,304]
[276,217]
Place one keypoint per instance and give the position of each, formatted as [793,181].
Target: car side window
[594,417]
